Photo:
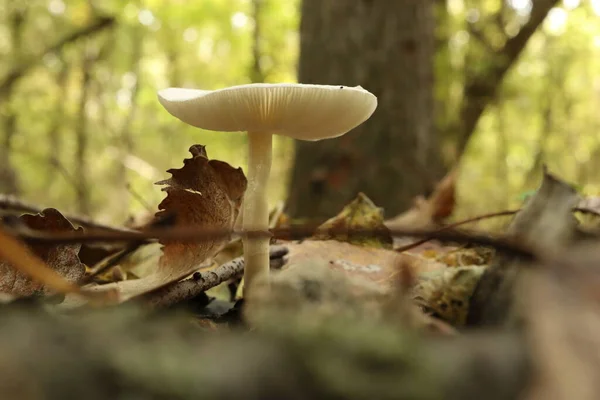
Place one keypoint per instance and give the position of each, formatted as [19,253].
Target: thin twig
[8,202]
[194,234]
[138,197]
[202,281]
[163,222]
[455,225]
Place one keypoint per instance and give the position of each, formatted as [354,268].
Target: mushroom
[299,111]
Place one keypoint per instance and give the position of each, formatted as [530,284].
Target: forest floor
[358,307]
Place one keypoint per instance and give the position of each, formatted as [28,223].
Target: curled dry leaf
[440,290]
[361,213]
[62,258]
[446,292]
[204,193]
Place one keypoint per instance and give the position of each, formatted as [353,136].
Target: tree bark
[387,47]
[126,142]
[81,139]
[92,54]
[55,136]
[8,177]
[257,74]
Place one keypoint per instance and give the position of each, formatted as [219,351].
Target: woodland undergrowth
[360,307]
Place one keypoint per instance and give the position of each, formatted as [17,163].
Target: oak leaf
[62,258]
[203,193]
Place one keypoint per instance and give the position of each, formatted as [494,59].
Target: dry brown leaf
[314,287]
[61,258]
[430,212]
[442,290]
[92,253]
[204,193]
[374,265]
[360,213]
[443,199]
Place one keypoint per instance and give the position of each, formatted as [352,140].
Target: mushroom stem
[256,210]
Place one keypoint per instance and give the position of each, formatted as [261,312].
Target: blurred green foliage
[152,45]
[545,112]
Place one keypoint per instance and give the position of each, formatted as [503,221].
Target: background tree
[500,34]
[387,47]
[16,22]
[401,137]
[545,101]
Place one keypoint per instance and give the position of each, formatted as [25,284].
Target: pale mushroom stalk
[256,208]
[302,112]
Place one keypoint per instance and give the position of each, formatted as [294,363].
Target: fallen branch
[115,259]
[200,282]
[502,243]
[455,225]
[190,288]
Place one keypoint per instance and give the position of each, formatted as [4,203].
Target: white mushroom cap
[305,112]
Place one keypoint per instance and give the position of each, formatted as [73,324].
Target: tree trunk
[257,74]
[9,182]
[55,134]
[81,140]
[92,54]
[126,142]
[387,47]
